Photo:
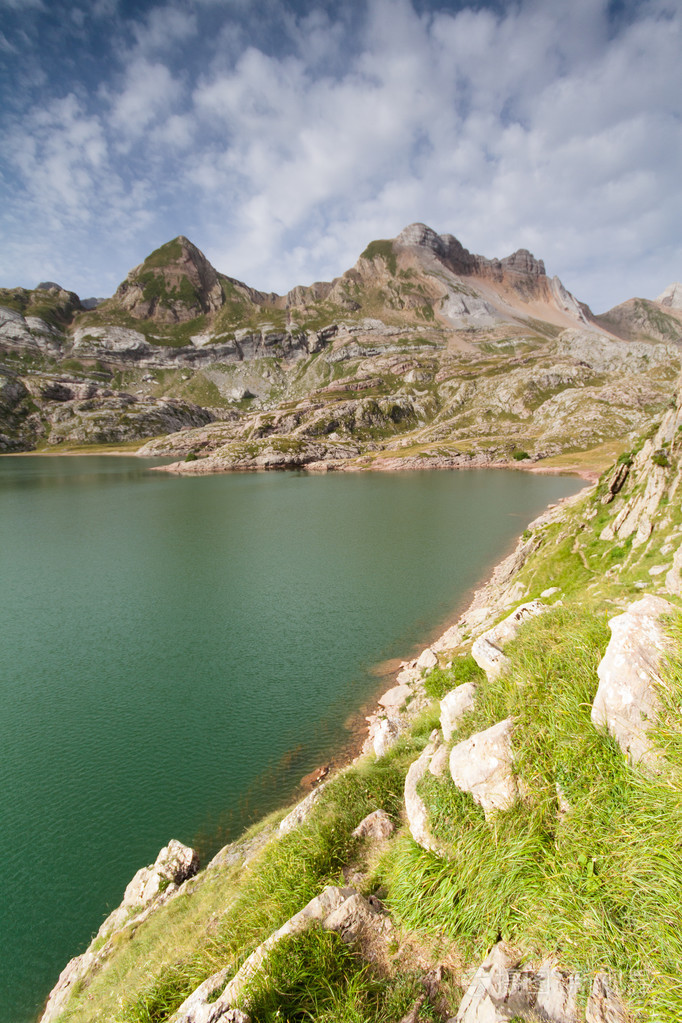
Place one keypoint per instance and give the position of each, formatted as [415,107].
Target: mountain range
[421,354]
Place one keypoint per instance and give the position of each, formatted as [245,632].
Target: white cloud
[289,142]
[149,91]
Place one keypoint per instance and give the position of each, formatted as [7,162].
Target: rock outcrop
[671,298]
[341,910]
[149,887]
[454,706]
[487,649]
[415,808]
[627,700]
[502,990]
[483,765]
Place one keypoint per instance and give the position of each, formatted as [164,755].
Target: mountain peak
[175,283]
[421,236]
[672,296]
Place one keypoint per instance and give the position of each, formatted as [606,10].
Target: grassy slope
[597,886]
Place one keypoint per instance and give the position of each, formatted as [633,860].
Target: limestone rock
[377,825]
[118,340]
[604,1005]
[301,811]
[671,297]
[673,579]
[439,761]
[382,734]
[201,1006]
[487,649]
[357,918]
[427,659]
[175,863]
[489,657]
[395,697]
[627,701]
[483,766]
[454,705]
[415,807]
[502,991]
[342,910]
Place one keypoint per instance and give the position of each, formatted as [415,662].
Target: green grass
[598,885]
[315,976]
[382,249]
[164,255]
[441,680]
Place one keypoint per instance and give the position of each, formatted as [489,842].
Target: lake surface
[178,652]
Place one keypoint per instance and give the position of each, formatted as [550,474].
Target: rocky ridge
[422,354]
[556,716]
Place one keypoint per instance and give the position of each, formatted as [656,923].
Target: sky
[281,136]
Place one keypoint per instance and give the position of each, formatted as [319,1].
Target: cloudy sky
[283,135]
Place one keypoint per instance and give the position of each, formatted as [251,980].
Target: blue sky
[281,137]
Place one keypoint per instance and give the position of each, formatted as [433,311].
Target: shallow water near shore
[178,652]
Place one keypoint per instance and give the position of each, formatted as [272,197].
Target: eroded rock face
[301,811]
[426,660]
[174,865]
[627,699]
[671,298]
[502,991]
[603,1004]
[483,766]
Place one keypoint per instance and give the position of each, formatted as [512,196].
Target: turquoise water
[177,653]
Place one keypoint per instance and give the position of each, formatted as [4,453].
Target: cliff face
[508,845]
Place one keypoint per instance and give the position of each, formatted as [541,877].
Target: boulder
[427,660]
[483,766]
[502,990]
[487,649]
[395,697]
[382,734]
[377,826]
[454,705]
[627,700]
[174,864]
[357,919]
